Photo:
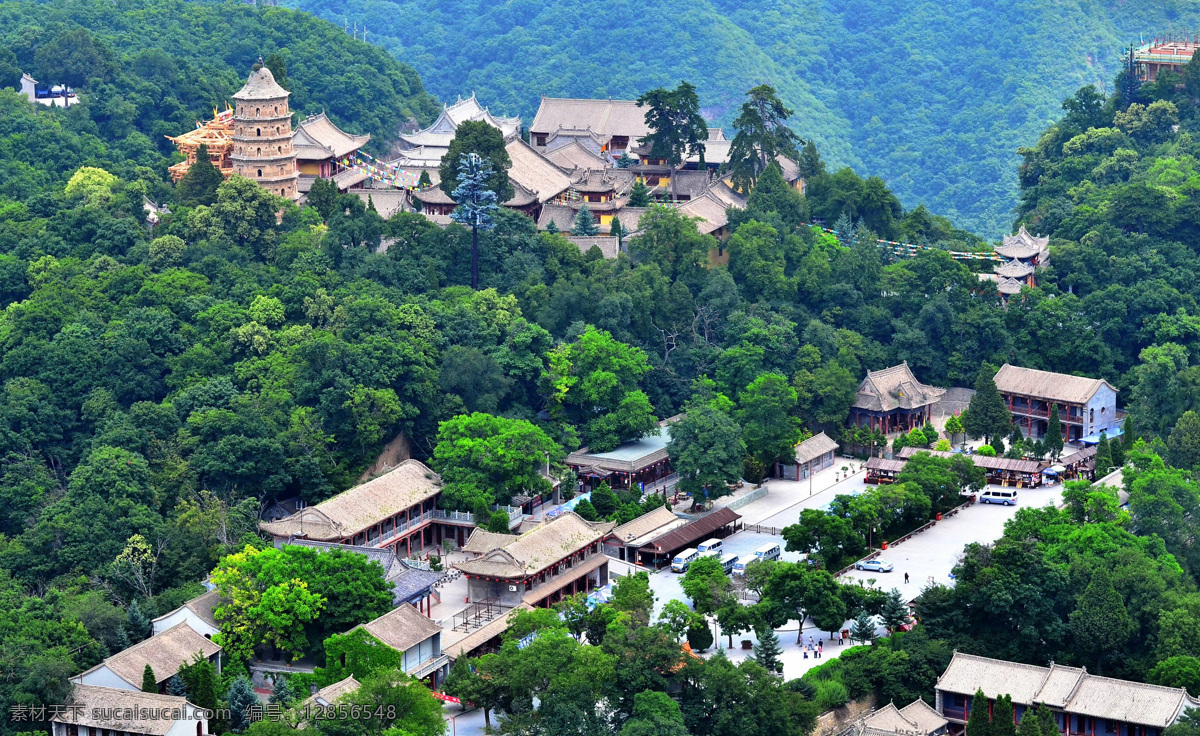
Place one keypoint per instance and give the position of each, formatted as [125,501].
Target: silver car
[874,566]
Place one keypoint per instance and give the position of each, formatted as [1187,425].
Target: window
[540,139]
[277,109]
[1110,726]
[260,172]
[258,131]
[257,111]
[259,152]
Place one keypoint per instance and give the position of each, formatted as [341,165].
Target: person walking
[906,578]
[820,649]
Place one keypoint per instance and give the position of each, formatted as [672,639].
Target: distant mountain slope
[934,96]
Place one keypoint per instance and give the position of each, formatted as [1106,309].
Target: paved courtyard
[927,558]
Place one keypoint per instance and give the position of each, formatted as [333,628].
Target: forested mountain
[933,96]
[153,67]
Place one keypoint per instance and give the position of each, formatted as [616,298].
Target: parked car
[874,566]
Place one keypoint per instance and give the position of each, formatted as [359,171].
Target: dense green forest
[932,96]
[159,387]
[154,68]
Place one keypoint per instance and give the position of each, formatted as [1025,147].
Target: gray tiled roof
[1071,689]
[107,708]
[1047,385]
[895,388]
[814,447]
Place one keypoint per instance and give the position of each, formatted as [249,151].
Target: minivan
[767,552]
[683,559]
[739,568]
[728,562]
[709,548]
[1003,497]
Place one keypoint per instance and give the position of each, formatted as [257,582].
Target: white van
[767,552]
[1003,497]
[739,568]
[709,548]
[683,559]
[728,562]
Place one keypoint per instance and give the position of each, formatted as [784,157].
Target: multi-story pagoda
[262,135]
[1025,253]
[216,134]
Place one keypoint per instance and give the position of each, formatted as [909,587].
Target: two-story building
[893,400]
[104,711]
[165,653]
[612,125]
[416,637]
[1083,704]
[1086,406]
[556,559]
[397,510]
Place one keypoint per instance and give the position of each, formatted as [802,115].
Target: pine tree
[978,724]
[618,231]
[894,613]
[241,698]
[476,203]
[1053,439]
[605,501]
[1030,726]
[282,694]
[1002,717]
[762,134]
[987,415]
[639,194]
[137,625]
[863,628]
[552,228]
[768,650]
[1104,458]
[149,681]
[199,185]
[624,161]
[585,223]
[586,510]
[176,686]
[1046,720]
[844,227]
[1100,622]
[200,679]
[278,66]
[424,181]
[677,128]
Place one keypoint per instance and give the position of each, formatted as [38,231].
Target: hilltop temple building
[255,139]
[1025,253]
[426,147]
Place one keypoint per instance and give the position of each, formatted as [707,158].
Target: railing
[429,666]
[465,517]
[760,529]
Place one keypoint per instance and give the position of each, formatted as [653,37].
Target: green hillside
[935,97]
[150,68]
